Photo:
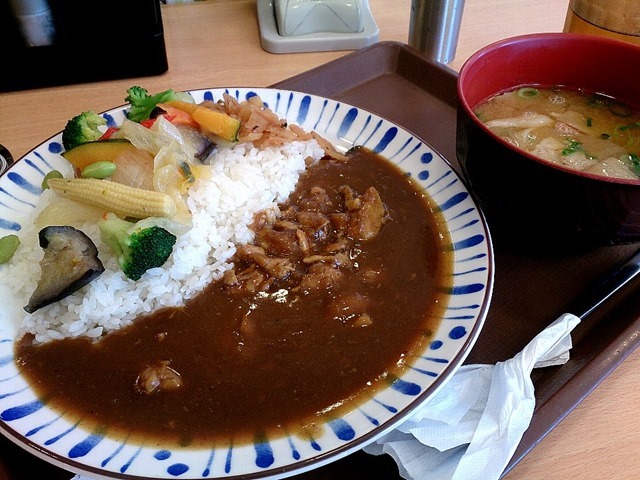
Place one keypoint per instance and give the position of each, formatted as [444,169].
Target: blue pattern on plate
[343,430]
[373,420]
[84,448]
[264,455]
[7,359]
[295,454]
[407,388]
[131,460]
[207,469]
[22,415]
[177,469]
[38,428]
[110,456]
[457,333]
[227,463]
[53,440]
[19,411]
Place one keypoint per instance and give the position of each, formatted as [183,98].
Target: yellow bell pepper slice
[218,123]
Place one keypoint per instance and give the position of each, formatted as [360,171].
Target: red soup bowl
[529,201]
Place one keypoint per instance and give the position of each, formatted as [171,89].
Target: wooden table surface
[217,43]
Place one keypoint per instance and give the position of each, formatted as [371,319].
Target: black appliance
[79,41]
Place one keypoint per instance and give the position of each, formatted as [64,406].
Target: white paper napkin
[470,429]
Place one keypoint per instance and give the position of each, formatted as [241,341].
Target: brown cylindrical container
[617,19]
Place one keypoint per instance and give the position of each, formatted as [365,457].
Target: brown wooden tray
[531,288]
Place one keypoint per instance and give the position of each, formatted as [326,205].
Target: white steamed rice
[245,181]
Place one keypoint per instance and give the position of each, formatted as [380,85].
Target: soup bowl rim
[567,39]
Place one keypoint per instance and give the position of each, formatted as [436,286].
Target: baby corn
[115,197]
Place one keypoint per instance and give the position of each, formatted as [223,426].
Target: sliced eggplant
[201,144]
[70,262]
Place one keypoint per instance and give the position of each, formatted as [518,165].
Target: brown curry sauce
[266,363]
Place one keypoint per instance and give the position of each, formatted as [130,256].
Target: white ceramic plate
[30,423]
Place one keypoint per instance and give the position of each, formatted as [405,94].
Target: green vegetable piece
[8,246]
[142,104]
[81,129]
[528,92]
[138,246]
[99,170]
[572,147]
[51,174]
[187,173]
[622,128]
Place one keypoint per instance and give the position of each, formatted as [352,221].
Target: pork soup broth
[583,131]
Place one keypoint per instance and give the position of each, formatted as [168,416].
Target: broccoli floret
[139,246]
[142,104]
[81,129]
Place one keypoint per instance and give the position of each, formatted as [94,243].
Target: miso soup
[583,131]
